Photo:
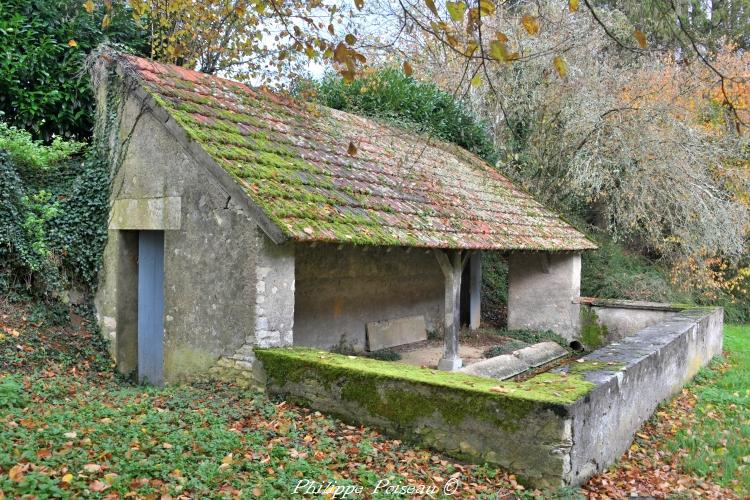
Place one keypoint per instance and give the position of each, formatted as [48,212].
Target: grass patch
[717,440]
[70,429]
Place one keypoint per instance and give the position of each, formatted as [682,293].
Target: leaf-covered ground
[698,444]
[69,427]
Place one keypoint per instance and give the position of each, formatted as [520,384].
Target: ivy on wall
[53,211]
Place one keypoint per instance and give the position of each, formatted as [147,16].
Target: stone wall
[626,317]
[339,289]
[542,289]
[210,252]
[555,429]
[521,426]
[639,372]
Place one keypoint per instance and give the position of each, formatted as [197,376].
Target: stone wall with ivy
[53,210]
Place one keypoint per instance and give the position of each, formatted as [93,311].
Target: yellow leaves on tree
[243,38]
[456,10]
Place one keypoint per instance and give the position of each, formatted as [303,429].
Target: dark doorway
[465,296]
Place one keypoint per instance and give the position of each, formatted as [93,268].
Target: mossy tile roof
[293,160]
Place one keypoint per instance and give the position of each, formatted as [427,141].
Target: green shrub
[389,94]
[24,151]
[385,355]
[612,272]
[53,214]
[43,88]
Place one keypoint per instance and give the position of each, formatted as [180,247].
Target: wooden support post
[475,289]
[452,265]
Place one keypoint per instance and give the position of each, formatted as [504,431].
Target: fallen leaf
[16,473]
[531,24]
[98,486]
[502,390]
[92,468]
[641,38]
[560,66]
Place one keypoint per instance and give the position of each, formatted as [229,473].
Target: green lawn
[717,437]
[69,427]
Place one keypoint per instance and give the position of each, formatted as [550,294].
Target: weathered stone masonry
[528,427]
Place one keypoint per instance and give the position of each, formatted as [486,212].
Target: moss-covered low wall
[558,428]
[524,426]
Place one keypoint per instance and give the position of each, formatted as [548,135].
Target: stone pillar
[274,299]
[452,265]
[542,292]
[475,289]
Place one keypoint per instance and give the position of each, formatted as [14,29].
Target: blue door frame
[151,307]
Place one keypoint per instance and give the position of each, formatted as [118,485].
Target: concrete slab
[540,354]
[394,332]
[499,367]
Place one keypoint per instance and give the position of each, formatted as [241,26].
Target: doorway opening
[140,298]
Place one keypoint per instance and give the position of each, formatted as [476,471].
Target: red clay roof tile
[400,188]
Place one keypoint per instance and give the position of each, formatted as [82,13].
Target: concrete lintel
[146,214]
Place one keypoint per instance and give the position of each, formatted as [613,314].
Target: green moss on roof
[398,189]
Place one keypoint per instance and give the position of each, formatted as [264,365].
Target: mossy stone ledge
[474,418]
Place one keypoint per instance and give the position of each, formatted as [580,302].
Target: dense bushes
[53,209]
[390,94]
[615,273]
[43,88]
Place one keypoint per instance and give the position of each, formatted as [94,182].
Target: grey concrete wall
[210,250]
[547,444]
[529,437]
[648,367]
[341,289]
[622,322]
[542,289]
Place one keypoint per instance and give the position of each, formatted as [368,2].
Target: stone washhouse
[243,219]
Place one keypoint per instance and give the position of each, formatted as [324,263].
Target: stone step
[509,365]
